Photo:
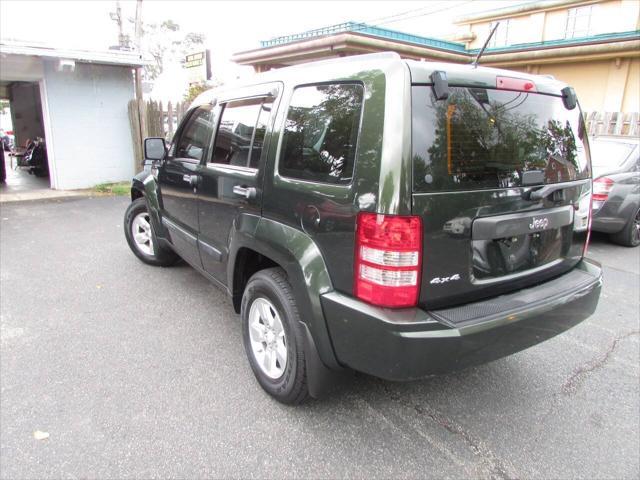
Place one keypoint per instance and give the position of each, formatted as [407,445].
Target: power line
[382,20]
[431,12]
[377,19]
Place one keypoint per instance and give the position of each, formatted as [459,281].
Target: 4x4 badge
[445,279]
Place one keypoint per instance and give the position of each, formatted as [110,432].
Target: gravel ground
[135,371]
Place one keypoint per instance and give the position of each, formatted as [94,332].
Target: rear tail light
[518,84]
[388,259]
[588,239]
[601,188]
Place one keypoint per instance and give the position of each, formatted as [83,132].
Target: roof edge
[110,57]
[339,41]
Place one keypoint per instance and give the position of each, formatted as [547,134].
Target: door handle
[246,192]
[192,180]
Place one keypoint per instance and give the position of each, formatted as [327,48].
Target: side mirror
[154,148]
[569,98]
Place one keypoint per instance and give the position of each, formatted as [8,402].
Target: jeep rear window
[483,138]
[321,132]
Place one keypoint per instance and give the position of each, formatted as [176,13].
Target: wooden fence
[148,118]
[612,123]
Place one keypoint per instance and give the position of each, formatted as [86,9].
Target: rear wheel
[629,236]
[272,336]
[142,239]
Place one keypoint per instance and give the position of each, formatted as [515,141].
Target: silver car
[616,188]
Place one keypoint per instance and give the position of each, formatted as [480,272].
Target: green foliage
[121,189]
[195,89]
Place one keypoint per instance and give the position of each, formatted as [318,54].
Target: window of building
[501,37]
[579,22]
[195,135]
[321,133]
[242,131]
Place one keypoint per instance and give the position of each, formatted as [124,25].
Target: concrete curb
[43,194]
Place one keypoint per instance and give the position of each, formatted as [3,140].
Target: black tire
[291,387]
[162,256]
[629,236]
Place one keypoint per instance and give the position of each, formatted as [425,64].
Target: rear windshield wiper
[543,192]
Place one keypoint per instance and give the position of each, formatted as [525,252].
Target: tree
[196,89]
[166,43]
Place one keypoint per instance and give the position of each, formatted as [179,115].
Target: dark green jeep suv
[392,217]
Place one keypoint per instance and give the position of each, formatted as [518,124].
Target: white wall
[89,135]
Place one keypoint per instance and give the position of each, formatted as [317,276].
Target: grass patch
[119,189]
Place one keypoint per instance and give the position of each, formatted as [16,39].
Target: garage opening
[26,163]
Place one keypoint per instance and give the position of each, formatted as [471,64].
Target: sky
[229,26]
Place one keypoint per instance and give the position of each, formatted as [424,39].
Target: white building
[78,102]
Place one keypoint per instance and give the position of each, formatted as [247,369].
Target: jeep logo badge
[539,223]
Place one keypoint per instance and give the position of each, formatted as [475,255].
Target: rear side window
[321,133]
[242,131]
[485,138]
[195,135]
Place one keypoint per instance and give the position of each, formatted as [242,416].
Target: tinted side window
[321,133]
[195,135]
[241,132]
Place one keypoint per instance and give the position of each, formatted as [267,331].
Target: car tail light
[601,188]
[518,84]
[388,259]
[588,239]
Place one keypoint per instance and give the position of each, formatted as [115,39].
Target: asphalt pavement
[132,371]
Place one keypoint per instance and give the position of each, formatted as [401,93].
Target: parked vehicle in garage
[316,196]
[616,188]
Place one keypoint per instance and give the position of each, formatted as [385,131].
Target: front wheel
[273,337]
[629,236]
[141,238]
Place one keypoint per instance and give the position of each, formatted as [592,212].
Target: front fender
[301,259]
[145,183]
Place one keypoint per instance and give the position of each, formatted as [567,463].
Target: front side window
[242,131]
[195,135]
[579,22]
[321,132]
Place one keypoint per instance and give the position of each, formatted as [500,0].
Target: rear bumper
[412,343]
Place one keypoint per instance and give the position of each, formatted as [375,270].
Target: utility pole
[123,40]
[138,75]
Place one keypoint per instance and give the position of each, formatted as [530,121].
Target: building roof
[363,28]
[109,57]
[356,38]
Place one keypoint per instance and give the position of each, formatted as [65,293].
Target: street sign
[198,66]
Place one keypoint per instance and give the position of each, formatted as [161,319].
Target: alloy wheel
[142,235]
[267,338]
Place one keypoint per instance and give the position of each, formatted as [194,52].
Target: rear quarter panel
[326,213]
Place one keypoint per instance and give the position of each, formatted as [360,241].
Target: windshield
[607,153]
[483,138]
